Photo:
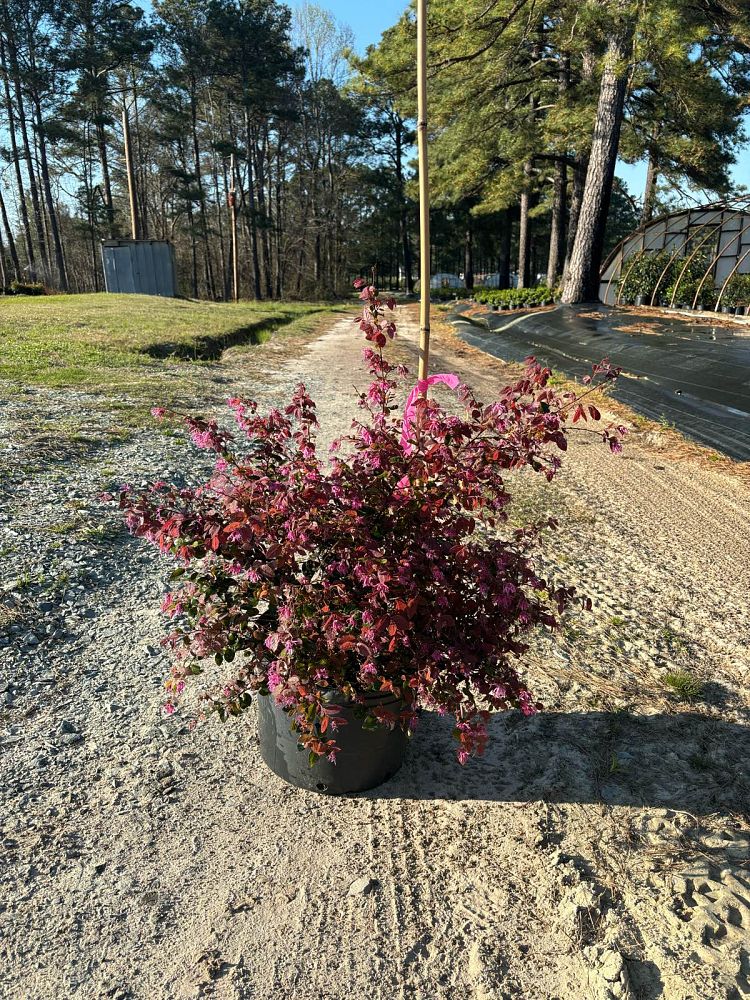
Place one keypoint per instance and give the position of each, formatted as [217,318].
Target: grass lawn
[114,342]
[124,354]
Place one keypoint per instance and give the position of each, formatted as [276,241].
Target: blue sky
[369,20]
[634,175]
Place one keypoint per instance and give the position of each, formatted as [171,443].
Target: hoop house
[711,244]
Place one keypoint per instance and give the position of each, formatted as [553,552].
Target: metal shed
[142,267]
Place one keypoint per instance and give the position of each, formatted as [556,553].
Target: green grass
[684,685]
[114,341]
[127,353]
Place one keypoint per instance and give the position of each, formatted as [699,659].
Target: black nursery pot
[367,757]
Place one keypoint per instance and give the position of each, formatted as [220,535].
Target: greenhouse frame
[710,244]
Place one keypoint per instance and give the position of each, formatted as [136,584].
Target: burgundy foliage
[386,567]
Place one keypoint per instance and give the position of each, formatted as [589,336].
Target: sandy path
[598,850]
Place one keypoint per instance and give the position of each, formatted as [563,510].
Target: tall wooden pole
[129,172]
[233,220]
[424,192]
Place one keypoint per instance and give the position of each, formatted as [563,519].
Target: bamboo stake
[233,220]
[129,171]
[424,192]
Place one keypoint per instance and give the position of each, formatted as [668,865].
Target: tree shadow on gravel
[685,761]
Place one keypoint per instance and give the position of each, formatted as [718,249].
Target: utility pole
[232,199]
[424,193]
[129,172]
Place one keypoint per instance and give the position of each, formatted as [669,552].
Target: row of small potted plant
[448,294]
[499,298]
[515,298]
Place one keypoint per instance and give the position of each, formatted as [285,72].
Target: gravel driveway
[601,849]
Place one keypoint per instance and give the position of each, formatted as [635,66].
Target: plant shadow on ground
[211,348]
[682,761]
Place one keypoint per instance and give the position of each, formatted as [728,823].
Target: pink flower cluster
[387,568]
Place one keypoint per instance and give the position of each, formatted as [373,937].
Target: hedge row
[24,288]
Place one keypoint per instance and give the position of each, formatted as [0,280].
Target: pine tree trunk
[576,199]
[223,264]
[3,275]
[557,249]
[191,225]
[253,214]
[101,142]
[88,188]
[29,243]
[469,258]
[193,252]
[316,244]
[649,194]
[524,232]
[11,241]
[265,236]
[404,210]
[506,240]
[279,227]
[137,152]
[582,282]
[51,208]
[524,245]
[304,202]
[332,232]
[557,230]
[270,209]
[207,269]
[21,114]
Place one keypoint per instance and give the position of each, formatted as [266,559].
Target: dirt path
[598,850]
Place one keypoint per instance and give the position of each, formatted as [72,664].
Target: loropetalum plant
[386,567]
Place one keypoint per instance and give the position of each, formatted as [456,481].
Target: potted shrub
[345,593]
[737,294]
[642,274]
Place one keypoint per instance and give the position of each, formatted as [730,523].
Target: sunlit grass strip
[114,342]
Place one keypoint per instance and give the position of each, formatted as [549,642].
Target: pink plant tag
[452,381]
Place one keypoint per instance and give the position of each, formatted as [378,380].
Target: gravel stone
[363,886]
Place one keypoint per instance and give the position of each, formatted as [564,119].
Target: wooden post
[424,193]
[129,172]
[233,221]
